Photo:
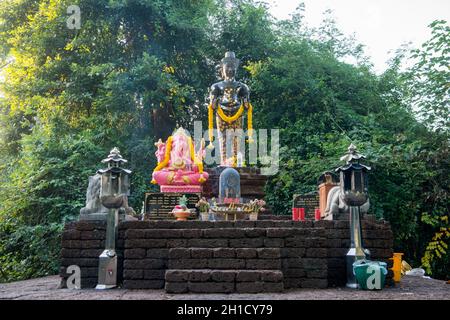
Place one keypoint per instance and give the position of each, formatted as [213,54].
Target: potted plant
[181,212]
[255,207]
[203,207]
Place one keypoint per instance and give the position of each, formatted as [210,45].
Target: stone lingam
[180,168]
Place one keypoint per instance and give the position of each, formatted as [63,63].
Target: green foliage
[29,251]
[428,80]
[137,69]
[321,104]
[437,248]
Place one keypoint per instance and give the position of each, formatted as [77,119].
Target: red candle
[317,214]
[295,214]
[302,214]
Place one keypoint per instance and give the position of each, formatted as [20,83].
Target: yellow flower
[250,122]
[210,126]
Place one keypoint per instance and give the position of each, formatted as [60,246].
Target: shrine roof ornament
[352,159]
[114,156]
[114,161]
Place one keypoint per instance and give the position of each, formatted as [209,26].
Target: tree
[428,79]
[427,85]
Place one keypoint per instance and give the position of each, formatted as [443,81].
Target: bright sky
[381,25]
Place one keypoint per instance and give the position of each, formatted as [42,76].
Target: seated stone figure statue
[180,168]
[94,209]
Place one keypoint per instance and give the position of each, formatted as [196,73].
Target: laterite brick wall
[309,254]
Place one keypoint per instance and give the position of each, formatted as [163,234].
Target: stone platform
[226,256]
[409,288]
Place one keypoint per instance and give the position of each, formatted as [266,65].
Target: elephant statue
[95,210]
[337,206]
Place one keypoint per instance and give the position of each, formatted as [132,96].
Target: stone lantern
[114,180]
[114,190]
[354,191]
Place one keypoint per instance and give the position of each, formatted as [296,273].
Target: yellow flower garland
[210,126]
[165,162]
[196,161]
[250,122]
[233,118]
[230,119]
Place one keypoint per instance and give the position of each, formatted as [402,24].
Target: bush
[29,252]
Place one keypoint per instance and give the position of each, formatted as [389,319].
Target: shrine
[224,150]
[209,228]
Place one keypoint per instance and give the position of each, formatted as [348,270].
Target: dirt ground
[47,289]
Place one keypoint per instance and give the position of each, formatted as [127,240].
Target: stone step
[268,215]
[223,281]
[225,258]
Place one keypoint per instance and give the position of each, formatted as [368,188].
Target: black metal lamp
[354,190]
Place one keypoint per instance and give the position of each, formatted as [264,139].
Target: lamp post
[354,191]
[113,189]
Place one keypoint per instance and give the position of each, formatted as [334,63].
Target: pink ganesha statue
[180,168]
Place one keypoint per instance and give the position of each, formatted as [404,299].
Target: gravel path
[47,289]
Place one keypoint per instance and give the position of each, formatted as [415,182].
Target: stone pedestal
[241,256]
[252,183]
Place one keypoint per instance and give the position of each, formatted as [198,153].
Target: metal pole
[356,251]
[110,242]
[107,265]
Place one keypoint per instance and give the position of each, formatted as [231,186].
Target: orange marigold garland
[230,119]
[233,118]
[250,123]
[194,158]
[210,126]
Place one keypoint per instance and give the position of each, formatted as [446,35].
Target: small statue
[93,203]
[180,168]
[336,204]
[229,98]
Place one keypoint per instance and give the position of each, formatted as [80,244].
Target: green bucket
[370,275]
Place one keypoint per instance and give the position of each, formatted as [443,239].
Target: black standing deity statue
[229,98]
